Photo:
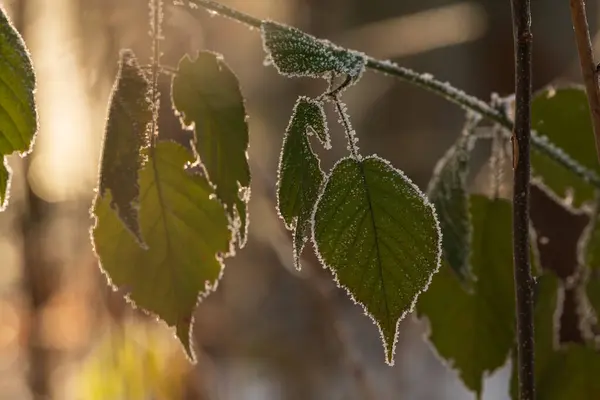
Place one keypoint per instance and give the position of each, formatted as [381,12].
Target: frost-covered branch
[428,82]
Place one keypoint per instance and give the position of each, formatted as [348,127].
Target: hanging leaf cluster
[168,215]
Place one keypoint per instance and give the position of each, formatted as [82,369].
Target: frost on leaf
[207,96]
[561,116]
[300,175]
[448,193]
[589,247]
[18,124]
[4,182]
[568,372]
[295,53]
[380,237]
[127,134]
[187,235]
[473,330]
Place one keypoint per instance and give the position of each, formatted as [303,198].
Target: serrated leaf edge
[388,349]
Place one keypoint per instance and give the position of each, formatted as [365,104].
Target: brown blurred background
[268,332]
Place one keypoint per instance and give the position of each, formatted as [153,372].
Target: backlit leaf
[4,182]
[562,115]
[295,53]
[18,114]
[187,234]
[379,235]
[300,175]
[474,330]
[448,193]
[207,96]
[591,249]
[127,134]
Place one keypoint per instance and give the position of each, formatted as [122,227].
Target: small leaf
[379,235]
[473,330]
[127,134]
[562,115]
[295,53]
[569,372]
[207,96]
[18,114]
[448,193]
[187,234]
[590,245]
[4,181]
[300,175]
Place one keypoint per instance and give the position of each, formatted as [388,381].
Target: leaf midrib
[375,234]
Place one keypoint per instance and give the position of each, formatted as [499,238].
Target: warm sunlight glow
[420,32]
[62,162]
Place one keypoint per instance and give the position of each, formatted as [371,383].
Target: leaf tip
[183,331]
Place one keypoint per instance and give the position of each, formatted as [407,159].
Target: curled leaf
[127,134]
[300,175]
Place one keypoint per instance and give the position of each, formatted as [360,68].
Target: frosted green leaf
[562,116]
[299,172]
[18,114]
[127,134]
[295,53]
[473,331]
[187,235]
[380,237]
[207,96]
[568,372]
[448,193]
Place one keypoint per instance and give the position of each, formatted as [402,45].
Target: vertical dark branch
[521,16]
[588,67]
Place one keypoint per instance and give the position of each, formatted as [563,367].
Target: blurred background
[268,332]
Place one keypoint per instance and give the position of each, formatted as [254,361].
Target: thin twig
[433,85]
[521,16]
[588,67]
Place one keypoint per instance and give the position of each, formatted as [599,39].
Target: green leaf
[18,114]
[299,172]
[562,115]
[379,235]
[4,181]
[473,330]
[207,96]
[448,193]
[187,233]
[569,372]
[590,245]
[127,134]
[295,53]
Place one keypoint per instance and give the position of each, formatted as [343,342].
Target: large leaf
[562,115]
[474,330]
[127,134]
[379,235]
[187,234]
[448,193]
[295,53]
[18,115]
[568,372]
[207,95]
[300,175]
